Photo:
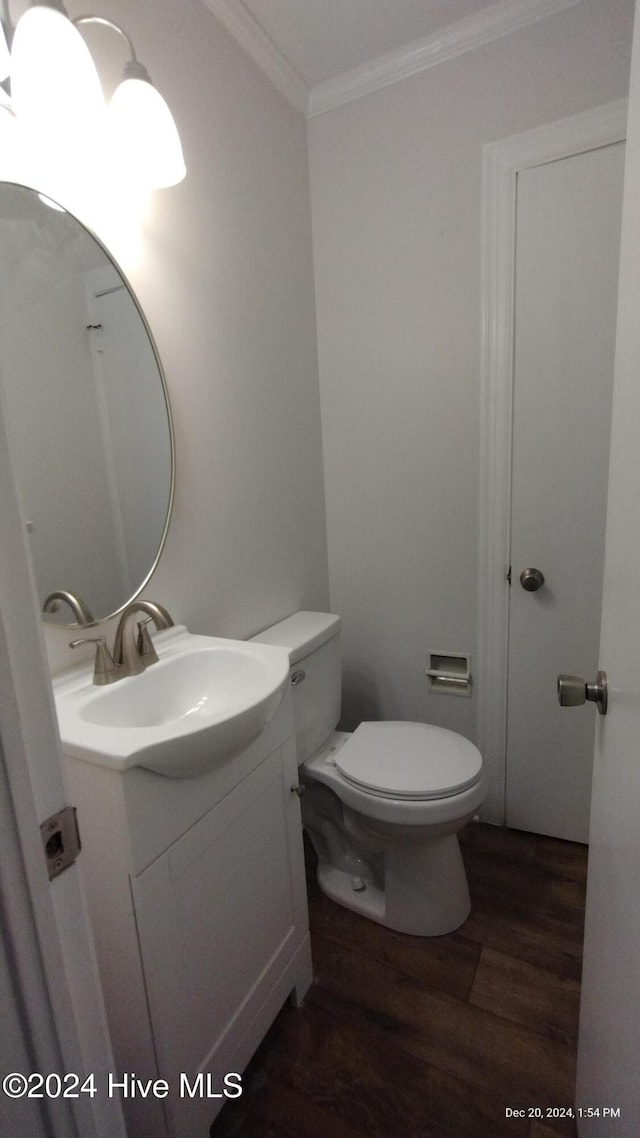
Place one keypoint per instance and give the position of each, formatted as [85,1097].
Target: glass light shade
[5,58]
[54,84]
[145,135]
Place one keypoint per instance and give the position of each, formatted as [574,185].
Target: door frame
[47,946]
[502,161]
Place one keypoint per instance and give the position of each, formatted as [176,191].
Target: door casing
[609,1037]
[60,1022]
[502,161]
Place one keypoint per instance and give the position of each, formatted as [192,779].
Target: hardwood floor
[434,1038]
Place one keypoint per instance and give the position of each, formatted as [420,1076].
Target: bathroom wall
[224,274]
[396,204]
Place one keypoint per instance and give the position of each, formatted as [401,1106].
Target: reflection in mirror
[87,410]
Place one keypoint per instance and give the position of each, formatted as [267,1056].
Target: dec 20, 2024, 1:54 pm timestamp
[563,1112]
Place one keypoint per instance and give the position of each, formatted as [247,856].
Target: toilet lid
[409,760]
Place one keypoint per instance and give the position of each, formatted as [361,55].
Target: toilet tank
[313,643]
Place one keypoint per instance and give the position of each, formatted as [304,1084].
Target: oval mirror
[87,411]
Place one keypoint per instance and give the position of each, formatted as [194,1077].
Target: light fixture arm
[5,13]
[79,20]
[134,69]
[57,4]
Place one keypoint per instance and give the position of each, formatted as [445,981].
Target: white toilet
[382,806]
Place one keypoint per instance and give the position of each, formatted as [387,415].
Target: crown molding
[500,19]
[494,22]
[247,31]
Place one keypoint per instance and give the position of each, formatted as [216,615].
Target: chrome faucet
[131,653]
[80,610]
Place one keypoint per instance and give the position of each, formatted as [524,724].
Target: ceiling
[322,53]
[321,39]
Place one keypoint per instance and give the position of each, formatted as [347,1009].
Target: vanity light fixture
[57,99]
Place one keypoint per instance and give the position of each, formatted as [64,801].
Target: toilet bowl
[383,805]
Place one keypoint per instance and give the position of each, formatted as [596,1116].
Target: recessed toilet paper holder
[449,673]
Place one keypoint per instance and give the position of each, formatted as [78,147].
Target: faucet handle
[144,643]
[105,671]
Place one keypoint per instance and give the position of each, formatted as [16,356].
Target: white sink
[205,700]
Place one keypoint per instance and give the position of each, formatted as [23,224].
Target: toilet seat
[408,761]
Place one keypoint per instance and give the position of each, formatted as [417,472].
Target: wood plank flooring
[410,1037]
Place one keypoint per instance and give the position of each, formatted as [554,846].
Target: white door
[609,1045]
[567,256]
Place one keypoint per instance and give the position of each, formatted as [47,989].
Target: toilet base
[425,895]
[339,887]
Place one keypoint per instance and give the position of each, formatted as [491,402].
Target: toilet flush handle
[298,676]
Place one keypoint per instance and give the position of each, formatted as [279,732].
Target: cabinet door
[220,915]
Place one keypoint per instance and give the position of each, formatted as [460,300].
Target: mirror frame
[165,393]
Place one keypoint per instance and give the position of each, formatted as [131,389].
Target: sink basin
[205,700]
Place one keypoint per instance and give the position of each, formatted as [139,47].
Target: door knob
[573,691]
[531,580]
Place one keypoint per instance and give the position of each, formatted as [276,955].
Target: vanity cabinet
[197,898]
